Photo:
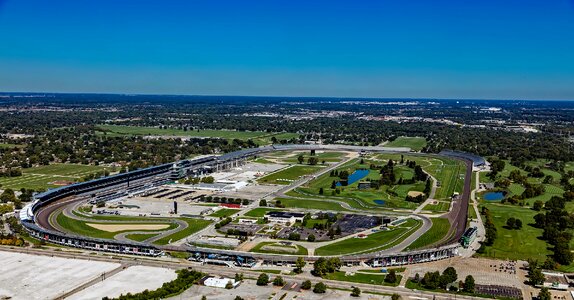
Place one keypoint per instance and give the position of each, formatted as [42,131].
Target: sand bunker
[124,227]
[414,193]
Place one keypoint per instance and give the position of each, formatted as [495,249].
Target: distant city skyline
[376,49]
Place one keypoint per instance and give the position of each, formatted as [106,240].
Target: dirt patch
[414,193]
[125,227]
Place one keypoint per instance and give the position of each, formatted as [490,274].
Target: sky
[488,49]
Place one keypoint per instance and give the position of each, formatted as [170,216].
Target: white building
[220,282]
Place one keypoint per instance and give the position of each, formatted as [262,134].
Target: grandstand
[477,161]
[148,181]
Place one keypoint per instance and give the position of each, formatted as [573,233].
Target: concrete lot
[131,280]
[24,276]
[162,207]
[252,191]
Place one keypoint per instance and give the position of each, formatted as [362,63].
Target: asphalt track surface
[46,217]
[457,217]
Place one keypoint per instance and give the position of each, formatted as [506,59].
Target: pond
[379,202]
[356,176]
[493,196]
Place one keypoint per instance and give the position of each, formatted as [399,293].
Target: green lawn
[81,228]
[449,172]
[278,249]
[194,225]
[140,237]
[224,212]
[415,143]
[311,204]
[380,240]
[289,174]
[259,212]
[42,177]
[439,229]
[377,279]
[440,207]
[515,244]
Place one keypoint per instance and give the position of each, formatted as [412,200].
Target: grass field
[193,226]
[40,178]
[81,228]
[277,249]
[377,279]
[415,143]
[140,237]
[259,212]
[311,204]
[515,244]
[445,170]
[290,174]
[224,212]
[439,229]
[440,207]
[373,242]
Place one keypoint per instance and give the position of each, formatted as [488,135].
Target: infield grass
[438,231]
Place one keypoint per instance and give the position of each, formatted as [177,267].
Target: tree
[356,292]
[395,297]
[537,206]
[299,265]
[263,279]
[293,236]
[301,158]
[306,285]
[510,222]
[544,294]
[229,285]
[313,161]
[262,202]
[535,276]
[469,284]
[238,298]
[278,281]
[320,288]
[448,275]
[517,224]
[203,297]
[8,196]
[391,277]
[321,191]
[238,276]
[311,238]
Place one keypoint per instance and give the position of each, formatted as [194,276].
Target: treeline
[490,230]
[445,281]
[240,114]
[557,224]
[81,145]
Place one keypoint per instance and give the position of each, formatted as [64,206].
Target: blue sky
[424,49]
